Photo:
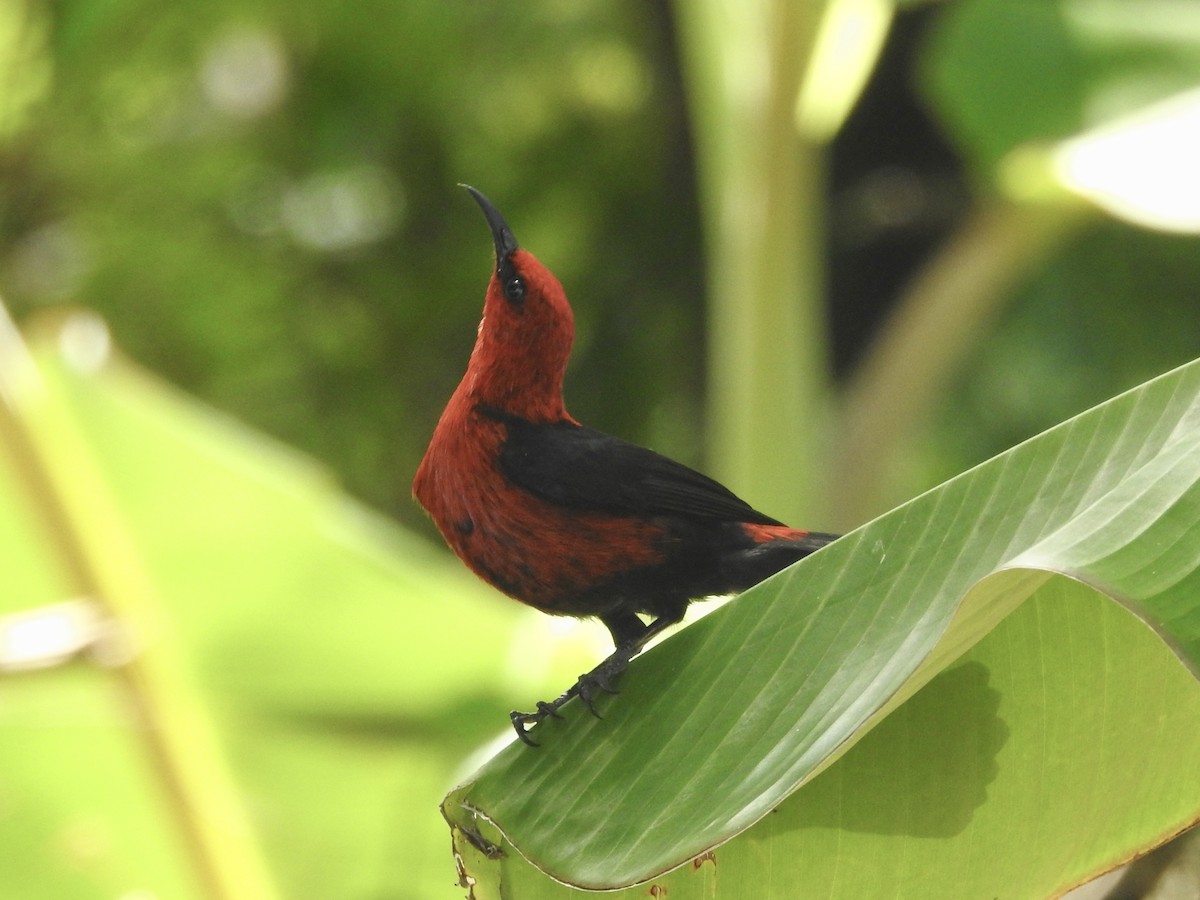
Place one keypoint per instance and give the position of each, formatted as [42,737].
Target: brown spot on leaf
[482,844]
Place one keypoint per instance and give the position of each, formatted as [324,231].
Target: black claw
[544,711]
[587,685]
[585,697]
[519,719]
[547,709]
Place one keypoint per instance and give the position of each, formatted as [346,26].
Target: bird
[567,519]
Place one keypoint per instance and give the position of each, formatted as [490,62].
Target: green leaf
[1012,768]
[1005,72]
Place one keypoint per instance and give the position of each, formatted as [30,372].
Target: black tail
[747,566]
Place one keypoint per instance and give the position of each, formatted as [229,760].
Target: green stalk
[760,183]
[66,492]
[945,312]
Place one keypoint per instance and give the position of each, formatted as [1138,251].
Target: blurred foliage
[260,198]
[1116,304]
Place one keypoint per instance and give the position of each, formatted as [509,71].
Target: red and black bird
[566,519]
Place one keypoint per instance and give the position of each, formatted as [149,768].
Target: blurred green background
[259,199]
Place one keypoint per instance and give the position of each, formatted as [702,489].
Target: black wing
[580,468]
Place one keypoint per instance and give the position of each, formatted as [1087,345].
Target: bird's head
[527,329]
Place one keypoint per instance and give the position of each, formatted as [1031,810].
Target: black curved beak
[502,235]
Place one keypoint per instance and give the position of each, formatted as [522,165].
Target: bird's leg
[630,634]
[601,677]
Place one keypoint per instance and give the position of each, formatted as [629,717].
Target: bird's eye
[514,289]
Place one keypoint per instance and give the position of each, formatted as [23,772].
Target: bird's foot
[522,721]
[601,680]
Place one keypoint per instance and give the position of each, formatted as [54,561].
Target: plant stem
[940,317]
[67,494]
[760,182]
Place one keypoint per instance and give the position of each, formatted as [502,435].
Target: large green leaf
[1063,743]
[1005,72]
